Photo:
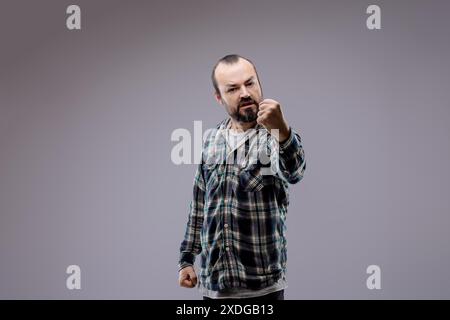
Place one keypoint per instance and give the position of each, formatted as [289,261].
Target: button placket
[223,172]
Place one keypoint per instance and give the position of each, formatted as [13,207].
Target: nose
[244,92]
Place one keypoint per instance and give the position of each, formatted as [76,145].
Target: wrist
[284,135]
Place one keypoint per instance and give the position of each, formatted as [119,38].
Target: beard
[248,114]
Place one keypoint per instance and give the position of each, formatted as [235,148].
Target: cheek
[256,93]
[232,104]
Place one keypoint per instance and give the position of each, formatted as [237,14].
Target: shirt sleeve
[191,245]
[292,158]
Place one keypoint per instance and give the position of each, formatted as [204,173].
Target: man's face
[239,88]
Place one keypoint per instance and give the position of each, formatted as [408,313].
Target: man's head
[237,87]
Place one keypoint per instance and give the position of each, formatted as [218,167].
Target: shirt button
[228,249]
[226,225]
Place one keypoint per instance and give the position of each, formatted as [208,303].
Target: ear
[218,98]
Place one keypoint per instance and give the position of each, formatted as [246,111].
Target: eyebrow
[231,85]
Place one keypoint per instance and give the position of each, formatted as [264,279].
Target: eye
[231,90]
[249,84]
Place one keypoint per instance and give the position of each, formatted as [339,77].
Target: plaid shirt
[238,211]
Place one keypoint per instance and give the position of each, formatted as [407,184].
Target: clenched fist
[187,277]
[271,117]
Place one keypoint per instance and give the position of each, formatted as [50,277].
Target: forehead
[235,73]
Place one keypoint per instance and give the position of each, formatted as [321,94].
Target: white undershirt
[236,140]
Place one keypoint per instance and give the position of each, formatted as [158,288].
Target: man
[238,212]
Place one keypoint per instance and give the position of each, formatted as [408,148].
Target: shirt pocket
[252,180]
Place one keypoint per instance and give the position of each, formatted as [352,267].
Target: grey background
[86,118]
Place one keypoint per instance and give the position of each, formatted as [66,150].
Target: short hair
[228,59]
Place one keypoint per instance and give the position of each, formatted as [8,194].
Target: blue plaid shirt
[237,217]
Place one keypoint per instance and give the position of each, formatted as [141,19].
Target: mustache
[247,101]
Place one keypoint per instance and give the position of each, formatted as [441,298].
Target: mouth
[247,106]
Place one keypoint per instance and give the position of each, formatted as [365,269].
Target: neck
[241,126]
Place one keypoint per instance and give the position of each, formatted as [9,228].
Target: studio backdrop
[90,98]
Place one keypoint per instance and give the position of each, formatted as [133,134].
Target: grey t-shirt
[239,293]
